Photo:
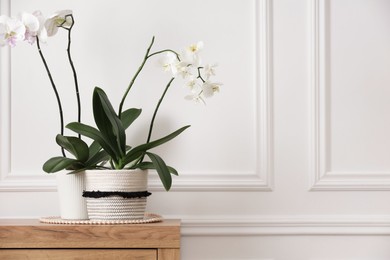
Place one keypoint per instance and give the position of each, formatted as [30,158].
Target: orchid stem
[134,78]
[55,92]
[147,56]
[199,75]
[155,113]
[156,109]
[167,50]
[74,75]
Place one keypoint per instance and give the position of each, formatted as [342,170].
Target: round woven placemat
[148,218]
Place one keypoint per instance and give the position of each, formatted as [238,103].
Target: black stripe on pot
[126,195]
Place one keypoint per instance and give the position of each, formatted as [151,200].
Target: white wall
[289,161]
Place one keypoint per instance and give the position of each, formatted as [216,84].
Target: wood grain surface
[85,254]
[32,234]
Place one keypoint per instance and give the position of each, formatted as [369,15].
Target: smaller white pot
[70,191]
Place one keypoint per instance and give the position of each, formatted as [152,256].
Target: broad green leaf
[77,165]
[134,153]
[132,162]
[162,170]
[98,158]
[132,156]
[75,146]
[94,134]
[78,170]
[94,148]
[129,116]
[56,164]
[150,166]
[108,121]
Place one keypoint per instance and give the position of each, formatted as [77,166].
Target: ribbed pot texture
[70,189]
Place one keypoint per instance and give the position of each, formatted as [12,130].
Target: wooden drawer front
[87,254]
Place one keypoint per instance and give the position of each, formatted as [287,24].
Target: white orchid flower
[11,31]
[169,63]
[42,33]
[191,53]
[195,48]
[193,84]
[209,88]
[185,70]
[31,23]
[209,70]
[58,19]
[195,97]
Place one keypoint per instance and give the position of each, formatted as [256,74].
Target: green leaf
[129,116]
[94,134]
[56,164]
[132,156]
[98,158]
[150,166]
[76,166]
[75,146]
[139,150]
[94,148]
[162,170]
[78,170]
[108,122]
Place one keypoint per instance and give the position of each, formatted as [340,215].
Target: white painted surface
[289,161]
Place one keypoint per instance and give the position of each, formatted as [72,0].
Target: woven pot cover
[116,207]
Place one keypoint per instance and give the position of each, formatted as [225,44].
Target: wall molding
[287,225]
[321,178]
[260,179]
[276,225]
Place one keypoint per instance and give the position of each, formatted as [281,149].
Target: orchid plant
[108,149]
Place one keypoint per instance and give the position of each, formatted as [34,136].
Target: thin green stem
[167,50]
[156,109]
[155,113]
[74,74]
[199,75]
[134,78]
[55,92]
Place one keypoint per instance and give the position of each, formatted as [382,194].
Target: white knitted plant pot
[116,194]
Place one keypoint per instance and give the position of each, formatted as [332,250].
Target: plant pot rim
[117,170]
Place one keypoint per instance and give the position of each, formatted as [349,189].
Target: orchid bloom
[58,19]
[209,70]
[42,33]
[31,23]
[195,97]
[195,48]
[169,63]
[11,31]
[209,88]
[185,70]
[191,54]
[193,84]
[196,77]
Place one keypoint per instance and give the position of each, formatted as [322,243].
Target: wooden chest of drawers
[29,239]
